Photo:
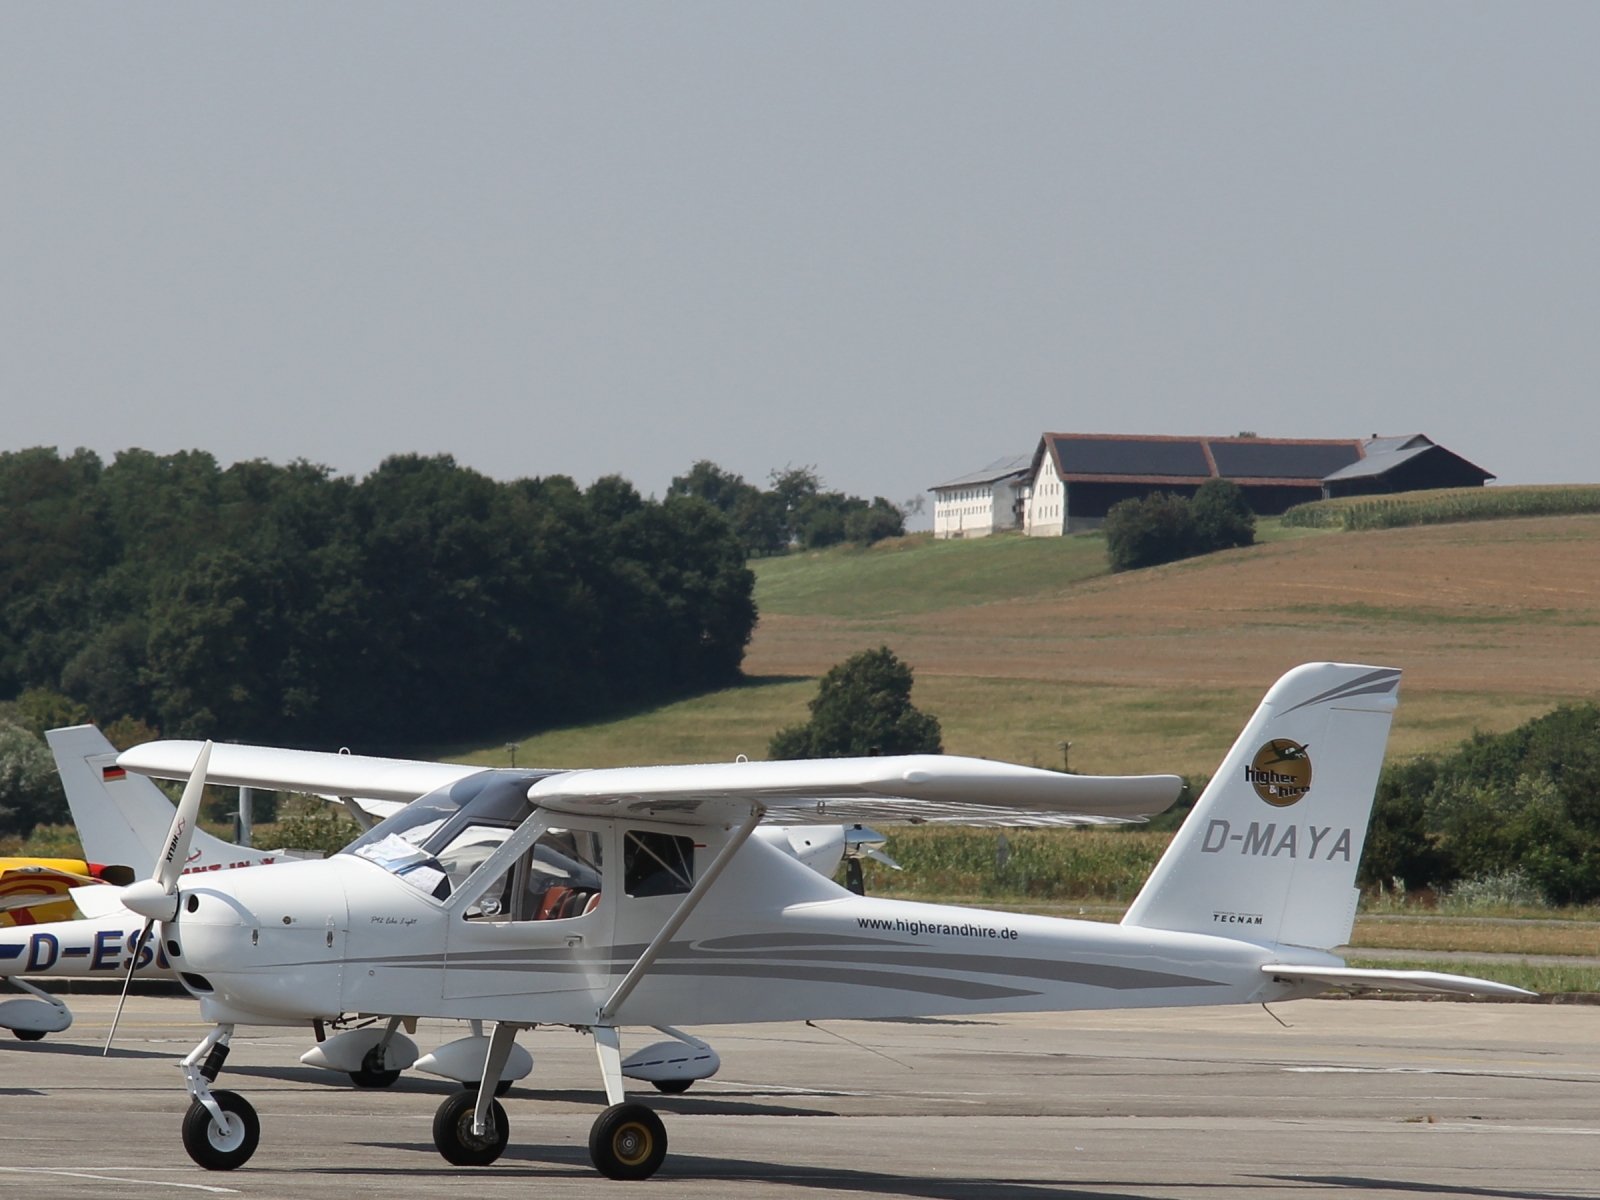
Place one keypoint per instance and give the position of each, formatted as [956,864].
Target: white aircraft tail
[1270,852]
[123,818]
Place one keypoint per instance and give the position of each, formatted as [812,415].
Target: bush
[863,706]
[1146,532]
[313,825]
[876,521]
[1222,518]
[1162,528]
[1527,801]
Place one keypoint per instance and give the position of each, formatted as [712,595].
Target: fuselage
[771,940]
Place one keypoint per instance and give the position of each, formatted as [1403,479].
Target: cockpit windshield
[435,842]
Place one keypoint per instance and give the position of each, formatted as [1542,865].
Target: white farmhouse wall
[976,510]
[1045,510]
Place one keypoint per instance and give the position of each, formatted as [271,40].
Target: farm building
[1073,479]
[1403,464]
[983,502]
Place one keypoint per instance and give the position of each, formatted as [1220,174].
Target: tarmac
[1361,1098]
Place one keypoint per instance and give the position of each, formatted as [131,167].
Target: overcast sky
[892,240]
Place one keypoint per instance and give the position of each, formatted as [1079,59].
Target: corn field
[1443,507]
[944,862]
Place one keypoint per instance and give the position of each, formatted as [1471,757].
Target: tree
[872,523]
[424,602]
[863,706]
[1222,518]
[30,791]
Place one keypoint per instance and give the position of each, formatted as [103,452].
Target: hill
[1021,643]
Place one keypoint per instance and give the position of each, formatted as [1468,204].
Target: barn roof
[1118,458]
[1385,454]
[1016,464]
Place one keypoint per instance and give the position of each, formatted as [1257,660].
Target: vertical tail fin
[1270,852]
[123,818]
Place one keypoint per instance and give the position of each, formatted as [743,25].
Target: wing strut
[679,916]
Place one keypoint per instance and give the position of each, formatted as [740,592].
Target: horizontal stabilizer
[931,788]
[1395,981]
[311,771]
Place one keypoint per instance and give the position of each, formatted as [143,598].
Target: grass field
[1534,978]
[1019,644]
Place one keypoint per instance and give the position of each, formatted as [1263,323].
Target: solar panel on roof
[1131,456]
[1266,460]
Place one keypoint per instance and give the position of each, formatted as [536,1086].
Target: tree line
[286,604]
[1521,808]
[796,510]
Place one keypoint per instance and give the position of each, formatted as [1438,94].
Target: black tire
[372,1074]
[214,1149]
[30,1035]
[452,1131]
[673,1087]
[500,1089]
[627,1141]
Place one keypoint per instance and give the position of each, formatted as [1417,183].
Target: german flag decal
[113,772]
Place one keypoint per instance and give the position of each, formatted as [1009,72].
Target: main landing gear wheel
[29,1035]
[500,1089]
[628,1141]
[673,1086]
[372,1074]
[218,1149]
[452,1131]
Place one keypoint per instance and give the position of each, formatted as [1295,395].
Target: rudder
[1270,852]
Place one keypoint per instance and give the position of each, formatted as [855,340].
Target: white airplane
[121,821]
[638,896]
[123,818]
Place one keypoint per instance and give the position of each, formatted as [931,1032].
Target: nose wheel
[221,1146]
[628,1141]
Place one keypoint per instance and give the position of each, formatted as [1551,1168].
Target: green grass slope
[1022,643]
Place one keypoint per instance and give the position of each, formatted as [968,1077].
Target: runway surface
[1364,1098]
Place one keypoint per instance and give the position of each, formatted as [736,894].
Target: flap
[1395,981]
[932,788]
[272,769]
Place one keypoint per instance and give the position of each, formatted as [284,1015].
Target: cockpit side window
[557,879]
[436,842]
[657,864]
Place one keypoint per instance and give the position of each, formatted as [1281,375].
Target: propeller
[156,899]
[861,842]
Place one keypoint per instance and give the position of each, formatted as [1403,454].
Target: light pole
[1066,750]
[512,747]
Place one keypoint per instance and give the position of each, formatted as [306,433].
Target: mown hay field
[1018,645]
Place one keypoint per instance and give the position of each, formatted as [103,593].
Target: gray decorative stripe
[960,989]
[1385,679]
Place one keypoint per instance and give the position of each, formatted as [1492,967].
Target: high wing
[916,788]
[398,780]
[931,788]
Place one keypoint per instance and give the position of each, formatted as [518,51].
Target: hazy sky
[892,240]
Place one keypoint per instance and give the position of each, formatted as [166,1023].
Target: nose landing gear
[221,1129]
